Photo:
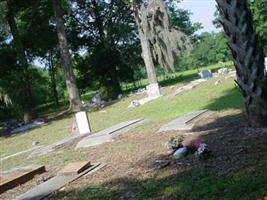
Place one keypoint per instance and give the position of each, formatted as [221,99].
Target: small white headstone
[265,59]
[83,122]
[223,71]
[153,90]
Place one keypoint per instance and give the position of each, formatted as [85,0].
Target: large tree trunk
[52,73]
[112,84]
[26,87]
[142,25]
[248,58]
[111,81]
[74,97]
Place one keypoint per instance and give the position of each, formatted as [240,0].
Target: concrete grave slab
[147,99]
[19,175]
[94,141]
[43,190]
[107,135]
[75,167]
[185,122]
[55,146]
[20,153]
[187,87]
[153,92]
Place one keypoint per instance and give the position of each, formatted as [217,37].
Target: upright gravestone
[205,74]
[83,122]
[97,99]
[153,90]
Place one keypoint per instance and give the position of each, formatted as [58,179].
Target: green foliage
[104,43]
[110,43]
[259,13]
[180,19]
[210,48]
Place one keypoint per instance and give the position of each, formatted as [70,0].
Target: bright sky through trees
[202,11]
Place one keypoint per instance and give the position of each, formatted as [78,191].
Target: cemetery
[128,100]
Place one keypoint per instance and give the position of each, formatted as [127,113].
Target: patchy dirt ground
[235,148]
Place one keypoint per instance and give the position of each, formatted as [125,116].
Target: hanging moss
[166,43]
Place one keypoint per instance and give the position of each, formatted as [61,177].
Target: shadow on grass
[6,134]
[179,186]
[231,99]
[168,80]
[235,171]
[172,80]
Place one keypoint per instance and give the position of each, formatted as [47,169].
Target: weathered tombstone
[97,99]
[153,90]
[223,71]
[83,122]
[205,74]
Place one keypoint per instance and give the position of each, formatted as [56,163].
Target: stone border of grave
[57,182]
[55,146]
[185,122]
[107,135]
[188,87]
[20,153]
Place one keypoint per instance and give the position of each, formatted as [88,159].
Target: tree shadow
[236,169]
[231,99]
[4,133]
[172,80]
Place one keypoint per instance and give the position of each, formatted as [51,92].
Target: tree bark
[74,97]
[52,73]
[111,80]
[27,104]
[248,58]
[142,25]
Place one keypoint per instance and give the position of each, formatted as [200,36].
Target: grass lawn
[207,96]
[131,178]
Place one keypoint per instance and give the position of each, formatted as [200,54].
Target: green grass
[207,96]
[54,131]
[196,183]
[174,78]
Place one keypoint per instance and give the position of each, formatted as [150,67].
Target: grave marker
[205,74]
[83,122]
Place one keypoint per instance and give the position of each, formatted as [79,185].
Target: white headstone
[265,59]
[83,122]
[153,90]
